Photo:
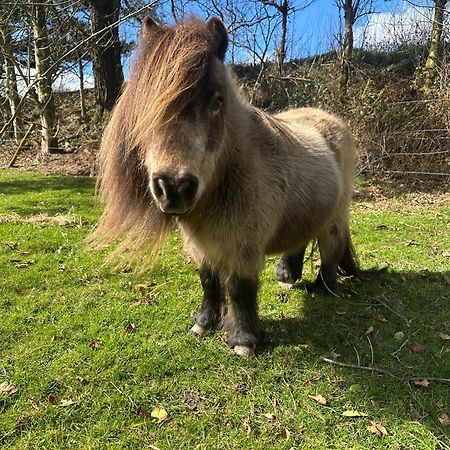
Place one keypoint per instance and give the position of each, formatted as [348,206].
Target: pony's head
[180,81]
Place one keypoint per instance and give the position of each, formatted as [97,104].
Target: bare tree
[11,89]
[353,10]
[45,98]
[284,9]
[434,52]
[107,66]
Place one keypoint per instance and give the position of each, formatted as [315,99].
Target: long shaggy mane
[166,77]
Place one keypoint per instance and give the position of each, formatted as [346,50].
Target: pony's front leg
[211,312]
[242,322]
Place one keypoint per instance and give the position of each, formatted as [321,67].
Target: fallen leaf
[143,411]
[423,382]
[444,336]
[160,414]
[52,399]
[417,347]
[447,280]
[340,311]
[7,388]
[130,328]
[399,336]
[319,399]
[269,416]
[68,402]
[443,419]
[377,428]
[352,413]
[246,425]
[139,423]
[382,319]
[95,344]
[355,388]
[440,404]
[446,254]
[79,378]
[369,330]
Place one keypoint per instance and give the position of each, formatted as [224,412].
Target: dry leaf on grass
[443,419]
[377,428]
[67,402]
[160,414]
[422,383]
[52,399]
[95,344]
[417,347]
[130,328]
[319,399]
[352,413]
[246,425]
[444,336]
[143,411]
[7,388]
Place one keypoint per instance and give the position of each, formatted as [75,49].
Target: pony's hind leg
[210,316]
[331,247]
[242,321]
[289,269]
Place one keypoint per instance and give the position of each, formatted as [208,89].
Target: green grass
[56,300]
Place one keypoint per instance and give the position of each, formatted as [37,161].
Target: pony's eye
[216,104]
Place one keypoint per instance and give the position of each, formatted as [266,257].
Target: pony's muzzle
[175,195]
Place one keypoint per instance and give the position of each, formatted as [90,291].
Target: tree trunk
[284,10]
[11,83]
[347,51]
[82,93]
[49,142]
[434,53]
[107,67]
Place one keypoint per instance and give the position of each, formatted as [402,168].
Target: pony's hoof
[284,285]
[199,330]
[242,350]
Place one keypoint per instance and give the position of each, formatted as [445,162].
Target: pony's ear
[219,36]
[149,24]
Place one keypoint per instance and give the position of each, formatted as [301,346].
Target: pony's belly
[300,225]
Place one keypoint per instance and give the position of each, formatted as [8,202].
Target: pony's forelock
[167,76]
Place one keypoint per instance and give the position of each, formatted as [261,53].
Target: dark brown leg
[242,322]
[290,268]
[211,312]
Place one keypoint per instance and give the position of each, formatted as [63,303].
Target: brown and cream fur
[261,184]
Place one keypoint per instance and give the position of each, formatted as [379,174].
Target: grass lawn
[88,354]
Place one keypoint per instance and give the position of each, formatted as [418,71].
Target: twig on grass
[386,372]
[432,379]
[356,366]
[407,321]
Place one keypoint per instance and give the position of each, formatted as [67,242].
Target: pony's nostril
[187,187]
[160,186]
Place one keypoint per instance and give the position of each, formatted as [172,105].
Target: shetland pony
[184,148]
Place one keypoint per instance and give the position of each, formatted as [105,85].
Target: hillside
[401,133]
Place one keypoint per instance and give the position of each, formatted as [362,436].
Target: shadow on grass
[363,328]
[46,183]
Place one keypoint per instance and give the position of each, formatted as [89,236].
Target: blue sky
[314,30]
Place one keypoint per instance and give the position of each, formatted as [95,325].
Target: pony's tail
[349,264]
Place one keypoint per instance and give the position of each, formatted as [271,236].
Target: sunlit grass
[66,339]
